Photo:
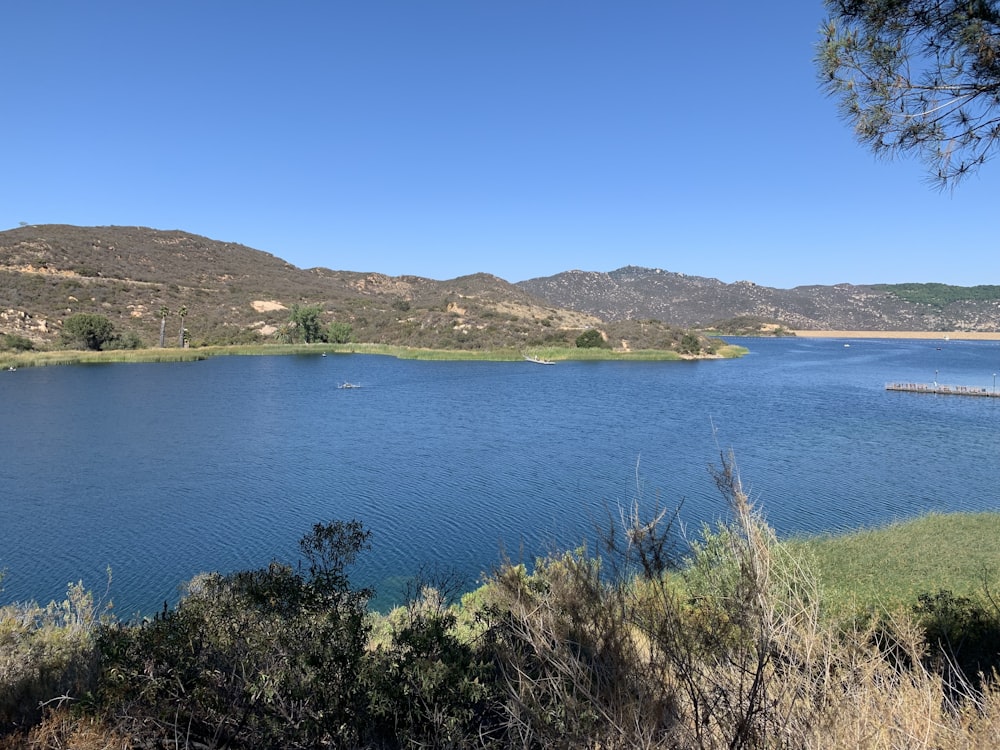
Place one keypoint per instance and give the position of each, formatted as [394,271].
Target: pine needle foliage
[917,76]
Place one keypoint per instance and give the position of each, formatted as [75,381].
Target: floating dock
[943,390]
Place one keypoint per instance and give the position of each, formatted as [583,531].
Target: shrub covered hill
[230,293]
[698,302]
[233,294]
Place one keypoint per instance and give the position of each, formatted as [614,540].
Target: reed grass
[76,357]
[551,353]
[731,351]
[73,357]
[887,567]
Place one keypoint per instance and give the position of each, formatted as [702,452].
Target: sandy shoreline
[953,335]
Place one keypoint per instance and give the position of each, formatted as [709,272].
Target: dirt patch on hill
[267,305]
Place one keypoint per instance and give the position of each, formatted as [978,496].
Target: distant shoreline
[953,335]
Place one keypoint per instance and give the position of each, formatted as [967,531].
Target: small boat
[348,385]
[538,360]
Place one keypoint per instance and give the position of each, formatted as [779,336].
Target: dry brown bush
[730,650]
[62,730]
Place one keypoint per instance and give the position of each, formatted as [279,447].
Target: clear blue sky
[445,137]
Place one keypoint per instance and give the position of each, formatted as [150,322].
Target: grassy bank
[887,567]
[77,357]
[68,357]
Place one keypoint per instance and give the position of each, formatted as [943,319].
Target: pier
[943,390]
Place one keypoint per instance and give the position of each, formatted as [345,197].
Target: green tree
[690,344]
[183,314]
[86,331]
[917,76]
[163,312]
[590,339]
[15,343]
[126,340]
[339,333]
[305,321]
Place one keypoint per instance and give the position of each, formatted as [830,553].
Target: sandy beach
[952,335]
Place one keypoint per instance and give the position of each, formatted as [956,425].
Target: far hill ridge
[697,302]
[235,294]
[231,293]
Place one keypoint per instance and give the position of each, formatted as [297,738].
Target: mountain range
[235,294]
[698,302]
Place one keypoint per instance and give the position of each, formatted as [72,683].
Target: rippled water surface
[161,471]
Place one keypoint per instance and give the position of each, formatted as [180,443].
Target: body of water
[162,471]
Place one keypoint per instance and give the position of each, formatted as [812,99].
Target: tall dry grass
[727,647]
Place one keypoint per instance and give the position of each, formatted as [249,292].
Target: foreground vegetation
[726,640]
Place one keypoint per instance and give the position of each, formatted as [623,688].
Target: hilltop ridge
[699,302]
[236,294]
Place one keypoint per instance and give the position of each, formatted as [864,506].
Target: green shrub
[590,339]
[690,344]
[263,658]
[126,340]
[963,636]
[428,687]
[13,342]
[46,654]
[339,333]
[86,331]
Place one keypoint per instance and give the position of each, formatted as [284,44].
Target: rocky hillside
[235,294]
[694,301]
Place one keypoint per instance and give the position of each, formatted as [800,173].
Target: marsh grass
[552,353]
[890,566]
[72,357]
[75,357]
[738,648]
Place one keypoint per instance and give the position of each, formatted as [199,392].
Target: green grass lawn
[890,566]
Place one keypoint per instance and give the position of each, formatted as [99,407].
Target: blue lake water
[161,471]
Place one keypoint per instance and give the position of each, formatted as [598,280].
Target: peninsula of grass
[76,357]
[883,568]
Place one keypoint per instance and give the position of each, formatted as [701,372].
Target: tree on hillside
[590,339]
[917,77]
[305,322]
[14,342]
[183,314]
[339,333]
[86,331]
[163,312]
[690,344]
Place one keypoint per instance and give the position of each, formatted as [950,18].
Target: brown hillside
[234,293]
[698,302]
